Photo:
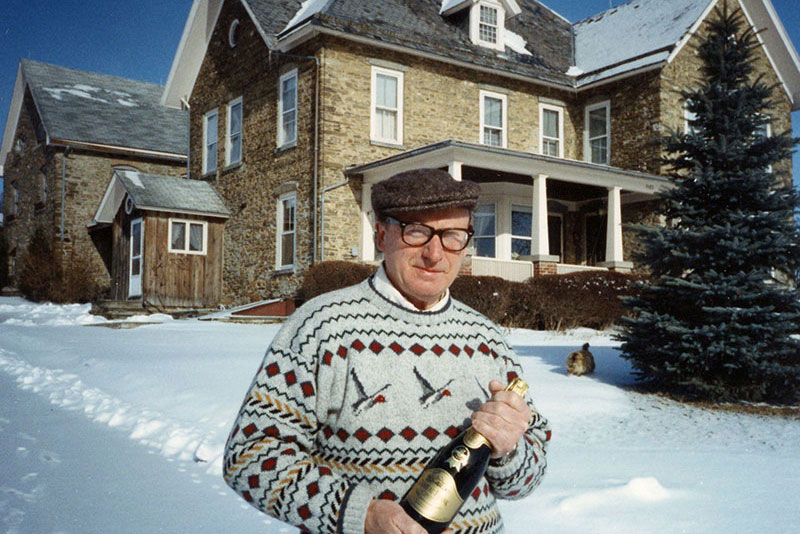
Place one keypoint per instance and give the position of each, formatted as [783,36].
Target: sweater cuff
[353,513]
[514,463]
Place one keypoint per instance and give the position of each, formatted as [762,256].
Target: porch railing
[517,270]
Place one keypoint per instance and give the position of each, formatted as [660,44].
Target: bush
[588,299]
[330,275]
[43,277]
[489,295]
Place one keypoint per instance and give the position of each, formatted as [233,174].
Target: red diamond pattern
[358,345]
[396,347]
[327,432]
[273,369]
[375,347]
[362,435]
[342,352]
[451,432]
[252,481]
[484,348]
[272,432]
[308,388]
[342,434]
[291,378]
[437,350]
[455,350]
[387,496]
[417,349]
[269,464]
[304,511]
[408,433]
[249,429]
[468,350]
[312,489]
[430,433]
[476,493]
[385,434]
[326,358]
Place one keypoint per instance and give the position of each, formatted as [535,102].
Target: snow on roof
[307,9]
[515,42]
[632,30]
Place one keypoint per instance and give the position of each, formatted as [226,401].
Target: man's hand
[502,419]
[388,517]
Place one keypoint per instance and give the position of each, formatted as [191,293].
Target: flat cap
[422,189]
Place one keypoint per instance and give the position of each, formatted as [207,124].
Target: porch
[537,214]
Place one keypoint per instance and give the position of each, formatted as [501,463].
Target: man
[362,386]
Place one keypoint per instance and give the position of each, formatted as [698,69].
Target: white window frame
[587,145]
[504,126]
[206,118]
[375,125]
[475,24]
[687,116]
[280,233]
[187,226]
[282,139]
[229,134]
[560,110]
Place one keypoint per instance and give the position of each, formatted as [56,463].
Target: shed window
[187,237]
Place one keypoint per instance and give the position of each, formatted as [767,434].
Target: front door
[135,273]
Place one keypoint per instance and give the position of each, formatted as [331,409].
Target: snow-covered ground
[121,430]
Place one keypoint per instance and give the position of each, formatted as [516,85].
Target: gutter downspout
[188,137]
[316,141]
[322,210]
[64,189]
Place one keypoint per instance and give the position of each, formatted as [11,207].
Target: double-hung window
[521,224]
[484,239]
[210,121]
[387,106]
[493,119]
[187,237]
[551,119]
[487,23]
[233,133]
[598,133]
[287,232]
[287,109]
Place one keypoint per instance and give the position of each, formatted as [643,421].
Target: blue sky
[138,39]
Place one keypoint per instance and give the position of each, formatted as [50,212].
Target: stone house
[297,109]
[67,131]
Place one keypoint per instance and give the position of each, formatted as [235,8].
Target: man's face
[422,273]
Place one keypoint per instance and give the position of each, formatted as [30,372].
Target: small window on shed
[188,237]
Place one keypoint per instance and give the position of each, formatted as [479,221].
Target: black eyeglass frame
[434,232]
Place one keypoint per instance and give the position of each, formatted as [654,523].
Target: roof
[641,31]
[150,192]
[637,35]
[85,108]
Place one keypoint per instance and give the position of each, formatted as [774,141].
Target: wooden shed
[167,240]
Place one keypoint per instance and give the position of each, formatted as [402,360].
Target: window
[521,226]
[598,133]
[210,141]
[483,220]
[764,130]
[286,240]
[14,199]
[493,119]
[42,188]
[287,109]
[552,135]
[387,106]
[688,118]
[187,237]
[487,20]
[233,133]
[233,34]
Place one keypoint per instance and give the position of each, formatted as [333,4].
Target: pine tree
[716,319]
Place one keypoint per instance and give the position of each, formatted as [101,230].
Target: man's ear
[380,235]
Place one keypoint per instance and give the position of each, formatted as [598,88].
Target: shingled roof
[151,192]
[418,25]
[97,109]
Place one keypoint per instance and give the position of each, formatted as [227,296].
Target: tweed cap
[422,189]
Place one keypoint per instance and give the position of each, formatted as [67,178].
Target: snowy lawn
[121,430]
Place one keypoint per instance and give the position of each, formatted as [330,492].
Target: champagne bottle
[448,479]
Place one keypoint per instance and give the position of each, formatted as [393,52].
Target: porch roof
[452,153]
[159,193]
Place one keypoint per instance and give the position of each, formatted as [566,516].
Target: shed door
[135,275]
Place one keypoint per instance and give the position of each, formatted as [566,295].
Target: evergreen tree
[717,317]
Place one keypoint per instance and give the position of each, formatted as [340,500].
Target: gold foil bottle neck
[518,386]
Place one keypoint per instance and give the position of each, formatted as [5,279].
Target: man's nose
[433,249]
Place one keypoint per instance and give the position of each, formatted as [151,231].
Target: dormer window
[487,22]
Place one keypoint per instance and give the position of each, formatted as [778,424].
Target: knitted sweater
[355,395]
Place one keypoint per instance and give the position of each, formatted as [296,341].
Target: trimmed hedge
[555,302]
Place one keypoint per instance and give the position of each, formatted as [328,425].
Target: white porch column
[614,232]
[454,168]
[367,230]
[540,239]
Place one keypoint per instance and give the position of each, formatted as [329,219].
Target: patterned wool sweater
[355,395]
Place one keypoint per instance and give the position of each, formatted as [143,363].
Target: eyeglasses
[416,234]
